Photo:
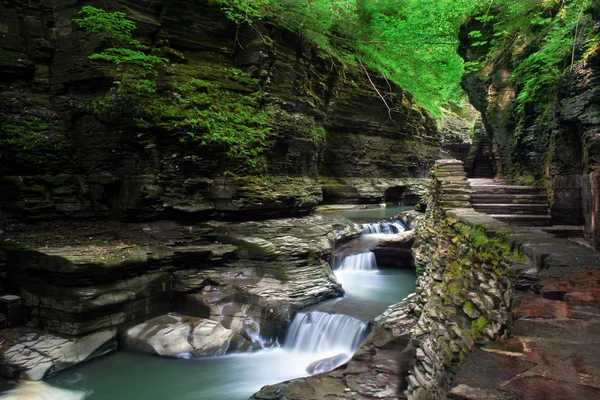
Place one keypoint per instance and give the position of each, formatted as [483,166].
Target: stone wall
[464,289]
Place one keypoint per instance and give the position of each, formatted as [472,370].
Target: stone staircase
[483,166]
[516,205]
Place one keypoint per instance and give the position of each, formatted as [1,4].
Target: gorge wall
[106,190]
[327,121]
[553,139]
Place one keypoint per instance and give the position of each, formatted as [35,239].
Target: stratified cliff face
[555,139]
[555,135]
[60,160]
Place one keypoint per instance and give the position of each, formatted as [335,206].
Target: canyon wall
[60,160]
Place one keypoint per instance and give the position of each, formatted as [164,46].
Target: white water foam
[383,228]
[359,262]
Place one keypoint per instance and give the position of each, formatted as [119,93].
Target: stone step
[566,231]
[501,189]
[452,175]
[483,174]
[532,209]
[488,198]
[524,220]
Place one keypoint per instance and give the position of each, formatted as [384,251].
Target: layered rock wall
[60,160]
[80,281]
[552,140]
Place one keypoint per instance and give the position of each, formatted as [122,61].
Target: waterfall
[323,333]
[383,228]
[359,262]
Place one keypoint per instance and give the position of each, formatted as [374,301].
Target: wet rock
[395,250]
[175,335]
[326,364]
[34,354]
[234,273]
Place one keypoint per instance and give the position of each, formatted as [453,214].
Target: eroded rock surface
[250,276]
[175,335]
[33,354]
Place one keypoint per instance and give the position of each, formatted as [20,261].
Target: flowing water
[383,228]
[319,338]
[316,341]
[359,262]
[372,214]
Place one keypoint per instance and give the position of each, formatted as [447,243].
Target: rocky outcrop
[342,190]
[377,370]
[250,277]
[457,132]
[180,336]
[60,161]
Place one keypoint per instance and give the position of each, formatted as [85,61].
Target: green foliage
[135,69]
[318,134]
[204,113]
[543,39]
[195,110]
[113,26]
[24,135]
[244,10]
[412,42]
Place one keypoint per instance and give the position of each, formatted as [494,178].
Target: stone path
[552,351]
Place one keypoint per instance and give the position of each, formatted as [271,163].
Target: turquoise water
[129,376]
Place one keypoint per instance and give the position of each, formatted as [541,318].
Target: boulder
[326,364]
[175,335]
[395,250]
[33,354]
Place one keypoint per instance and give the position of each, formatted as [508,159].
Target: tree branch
[378,92]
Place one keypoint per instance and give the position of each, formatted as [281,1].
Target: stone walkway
[551,352]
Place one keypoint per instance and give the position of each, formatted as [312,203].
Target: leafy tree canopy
[414,42]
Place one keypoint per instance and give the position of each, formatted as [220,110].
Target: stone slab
[34,354]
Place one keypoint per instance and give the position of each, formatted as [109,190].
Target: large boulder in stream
[395,250]
[174,335]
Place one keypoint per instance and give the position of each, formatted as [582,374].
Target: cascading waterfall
[332,338]
[383,228]
[316,342]
[323,333]
[359,262]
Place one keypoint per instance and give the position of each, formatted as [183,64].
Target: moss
[471,310]
[279,272]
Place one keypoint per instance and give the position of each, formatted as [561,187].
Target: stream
[331,330]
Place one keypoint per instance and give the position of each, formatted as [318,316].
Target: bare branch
[378,92]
